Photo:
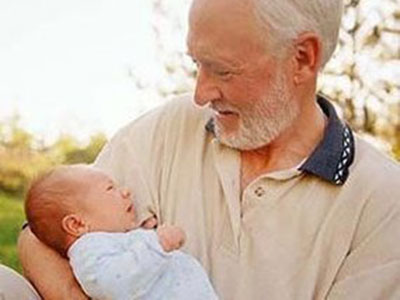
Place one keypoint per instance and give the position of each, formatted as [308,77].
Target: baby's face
[105,205]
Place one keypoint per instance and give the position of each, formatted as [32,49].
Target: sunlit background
[72,72]
[73,66]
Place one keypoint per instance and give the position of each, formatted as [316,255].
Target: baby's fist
[171,237]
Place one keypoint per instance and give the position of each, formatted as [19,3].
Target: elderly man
[279,199]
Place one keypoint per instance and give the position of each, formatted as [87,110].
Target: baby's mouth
[130,208]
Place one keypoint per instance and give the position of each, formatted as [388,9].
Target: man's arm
[46,269]
[372,268]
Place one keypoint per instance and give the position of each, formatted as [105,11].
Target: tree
[22,157]
[362,76]
[19,161]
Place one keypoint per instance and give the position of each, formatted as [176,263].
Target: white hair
[284,20]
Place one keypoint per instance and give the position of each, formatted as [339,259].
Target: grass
[11,218]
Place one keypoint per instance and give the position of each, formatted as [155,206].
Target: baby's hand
[171,237]
[150,223]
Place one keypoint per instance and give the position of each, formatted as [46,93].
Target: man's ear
[74,225]
[307,57]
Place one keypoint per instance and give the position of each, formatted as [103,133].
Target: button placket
[259,191]
[253,195]
[263,191]
[227,162]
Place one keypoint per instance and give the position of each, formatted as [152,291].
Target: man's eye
[110,187]
[224,74]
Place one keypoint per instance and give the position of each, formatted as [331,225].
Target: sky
[65,65]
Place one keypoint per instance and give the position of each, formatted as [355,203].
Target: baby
[80,212]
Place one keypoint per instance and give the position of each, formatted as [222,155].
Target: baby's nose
[125,193]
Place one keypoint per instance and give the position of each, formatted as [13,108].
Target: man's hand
[171,237]
[46,269]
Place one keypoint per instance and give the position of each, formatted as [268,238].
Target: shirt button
[259,191]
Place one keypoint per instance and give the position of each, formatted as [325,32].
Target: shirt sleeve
[119,268]
[124,158]
[371,269]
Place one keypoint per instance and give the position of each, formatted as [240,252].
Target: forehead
[226,27]
[79,177]
[92,175]
[91,182]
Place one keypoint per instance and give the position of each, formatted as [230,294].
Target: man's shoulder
[176,111]
[375,159]
[377,169]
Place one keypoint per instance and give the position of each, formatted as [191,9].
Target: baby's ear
[74,225]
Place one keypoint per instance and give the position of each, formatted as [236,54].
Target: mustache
[219,106]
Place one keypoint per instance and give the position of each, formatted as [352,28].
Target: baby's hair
[47,202]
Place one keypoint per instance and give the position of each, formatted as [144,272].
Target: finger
[150,223]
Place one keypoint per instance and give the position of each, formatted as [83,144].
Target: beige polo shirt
[330,229]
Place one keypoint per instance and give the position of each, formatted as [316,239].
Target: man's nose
[206,89]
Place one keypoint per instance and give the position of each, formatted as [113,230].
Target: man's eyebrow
[214,62]
[206,60]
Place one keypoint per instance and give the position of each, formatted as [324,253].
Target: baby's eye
[110,187]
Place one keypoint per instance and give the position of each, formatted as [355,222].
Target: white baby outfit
[133,265]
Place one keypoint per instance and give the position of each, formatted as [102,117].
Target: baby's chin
[131,226]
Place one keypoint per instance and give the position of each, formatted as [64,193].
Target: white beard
[264,121]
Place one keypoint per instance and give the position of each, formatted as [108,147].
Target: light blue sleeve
[118,265]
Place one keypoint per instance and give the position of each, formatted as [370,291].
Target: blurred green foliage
[11,219]
[22,157]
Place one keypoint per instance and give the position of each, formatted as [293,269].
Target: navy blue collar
[333,156]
